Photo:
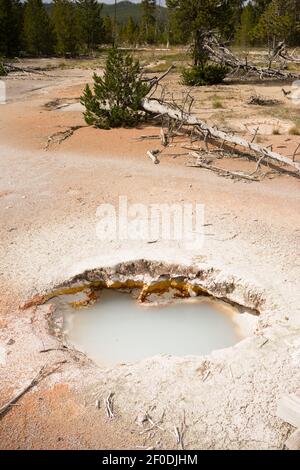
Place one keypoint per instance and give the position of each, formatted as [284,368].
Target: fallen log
[157,107]
[9,68]
[177,114]
[220,54]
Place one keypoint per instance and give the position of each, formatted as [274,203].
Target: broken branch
[42,373]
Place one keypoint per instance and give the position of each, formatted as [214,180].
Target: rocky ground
[48,202]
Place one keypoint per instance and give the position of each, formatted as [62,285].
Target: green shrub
[208,74]
[115,99]
[2,69]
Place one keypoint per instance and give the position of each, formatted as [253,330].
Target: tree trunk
[156,107]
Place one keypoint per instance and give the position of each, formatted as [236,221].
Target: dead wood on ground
[44,372]
[261,101]
[174,112]
[221,54]
[9,68]
[61,136]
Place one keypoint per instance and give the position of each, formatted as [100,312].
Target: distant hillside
[125,9]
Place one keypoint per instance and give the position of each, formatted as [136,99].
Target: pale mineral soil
[48,202]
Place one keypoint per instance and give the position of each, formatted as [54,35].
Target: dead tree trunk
[220,54]
[9,68]
[156,107]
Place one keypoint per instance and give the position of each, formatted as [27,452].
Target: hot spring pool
[117,329]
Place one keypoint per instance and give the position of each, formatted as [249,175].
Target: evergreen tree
[275,23]
[294,6]
[148,20]
[90,23]
[244,36]
[196,17]
[260,6]
[10,27]
[38,33]
[131,31]
[115,99]
[65,27]
[107,30]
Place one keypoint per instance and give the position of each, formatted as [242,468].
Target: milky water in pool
[118,329]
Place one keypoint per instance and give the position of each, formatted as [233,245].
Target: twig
[295,153]
[164,137]
[178,433]
[148,137]
[153,82]
[255,134]
[258,165]
[153,424]
[64,348]
[206,376]
[109,405]
[263,343]
[42,373]
[60,136]
[224,173]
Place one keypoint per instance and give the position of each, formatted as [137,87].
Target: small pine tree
[115,99]
[38,33]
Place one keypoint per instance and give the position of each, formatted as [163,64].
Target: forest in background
[71,28]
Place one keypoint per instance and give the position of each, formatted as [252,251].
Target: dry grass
[217,104]
[285,113]
[294,131]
